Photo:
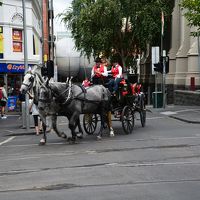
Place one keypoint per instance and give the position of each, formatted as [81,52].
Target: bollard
[192,83]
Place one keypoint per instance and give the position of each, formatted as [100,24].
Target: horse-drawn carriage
[71,100]
[128,100]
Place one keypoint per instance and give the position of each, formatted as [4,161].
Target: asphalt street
[159,161]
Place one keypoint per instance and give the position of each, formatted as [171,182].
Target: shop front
[12,76]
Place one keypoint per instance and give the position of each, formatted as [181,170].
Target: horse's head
[31,79]
[45,97]
[28,82]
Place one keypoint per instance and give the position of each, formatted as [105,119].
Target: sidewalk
[12,126]
[189,114]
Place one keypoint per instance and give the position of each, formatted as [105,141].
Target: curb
[185,120]
[20,134]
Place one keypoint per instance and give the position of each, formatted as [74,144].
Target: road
[157,162]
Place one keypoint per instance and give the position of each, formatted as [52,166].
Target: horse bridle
[31,80]
[47,100]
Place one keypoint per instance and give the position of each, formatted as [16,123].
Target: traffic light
[167,64]
[50,68]
[158,67]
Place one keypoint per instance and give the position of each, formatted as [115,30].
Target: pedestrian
[35,113]
[3,100]
[116,72]
[99,72]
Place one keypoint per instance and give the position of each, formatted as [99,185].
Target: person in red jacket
[99,72]
[116,71]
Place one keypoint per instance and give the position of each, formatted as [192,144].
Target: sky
[59,6]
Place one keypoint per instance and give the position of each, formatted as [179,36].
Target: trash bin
[159,99]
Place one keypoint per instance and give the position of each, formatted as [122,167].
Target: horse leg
[72,125]
[80,133]
[54,125]
[44,138]
[109,122]
[102,116]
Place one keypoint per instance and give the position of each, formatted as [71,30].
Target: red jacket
[100,70]
[115,70]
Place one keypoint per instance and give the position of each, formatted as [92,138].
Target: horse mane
[58,86]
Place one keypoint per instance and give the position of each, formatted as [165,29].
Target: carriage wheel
[90,123]
[127,119]
[143,113]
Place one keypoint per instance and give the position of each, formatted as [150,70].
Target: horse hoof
[71,140]
[63,136]
[112,134]
[99,137]
[79,135]
[42,142]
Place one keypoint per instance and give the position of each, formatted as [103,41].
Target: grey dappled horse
[73,100]
[32,82]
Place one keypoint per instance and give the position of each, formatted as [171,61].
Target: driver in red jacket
[99,72]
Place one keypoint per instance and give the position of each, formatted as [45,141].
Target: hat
[114,59]
[98,60]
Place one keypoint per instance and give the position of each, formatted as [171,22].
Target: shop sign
[12,68]
[17,40]
[17,35]
[17,46]
[1,42]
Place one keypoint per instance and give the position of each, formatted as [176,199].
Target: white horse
[73,100]
[33,80]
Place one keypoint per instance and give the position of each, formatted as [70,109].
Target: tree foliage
[192,13]
[124,27]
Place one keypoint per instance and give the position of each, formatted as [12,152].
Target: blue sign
[12,68]
[12,103]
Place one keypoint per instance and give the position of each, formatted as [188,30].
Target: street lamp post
[26,64]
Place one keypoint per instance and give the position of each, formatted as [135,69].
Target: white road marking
[156,164]
[168,113]
[9,131]
[155,117]
[6,141]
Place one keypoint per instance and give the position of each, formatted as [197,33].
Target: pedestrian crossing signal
[158,67]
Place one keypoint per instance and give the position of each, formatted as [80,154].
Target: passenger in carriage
[108,66]
[116,72]
[99,72]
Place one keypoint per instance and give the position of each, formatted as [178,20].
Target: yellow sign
[45,58]
[1,40]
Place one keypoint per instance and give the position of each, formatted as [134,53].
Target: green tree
[123,27]
[192,13]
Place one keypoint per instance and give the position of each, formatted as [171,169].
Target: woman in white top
[34,110]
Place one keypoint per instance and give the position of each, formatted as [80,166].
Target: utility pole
[52,31]
[163,54]
[26,65]
[198,38]
[164,76]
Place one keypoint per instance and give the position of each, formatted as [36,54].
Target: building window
[17,40]
[35,45]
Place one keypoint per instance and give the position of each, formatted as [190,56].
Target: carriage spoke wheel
[127,119]
[90,123]
[143,113]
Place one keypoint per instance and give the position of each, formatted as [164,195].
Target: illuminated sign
[12,68]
